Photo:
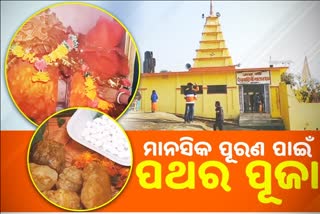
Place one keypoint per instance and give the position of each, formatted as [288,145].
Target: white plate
[78,123]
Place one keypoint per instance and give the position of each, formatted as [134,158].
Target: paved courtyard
[137,120]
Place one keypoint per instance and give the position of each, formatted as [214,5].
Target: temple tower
[213,51]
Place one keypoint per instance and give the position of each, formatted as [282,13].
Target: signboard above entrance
[253,77]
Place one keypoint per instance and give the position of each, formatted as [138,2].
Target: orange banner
[192,171]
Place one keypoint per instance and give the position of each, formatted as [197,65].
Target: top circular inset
[71,55]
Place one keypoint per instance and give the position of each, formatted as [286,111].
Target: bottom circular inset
[79,159]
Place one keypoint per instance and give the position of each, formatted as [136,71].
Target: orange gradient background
[19,194]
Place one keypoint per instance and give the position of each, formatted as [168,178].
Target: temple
[212,51]
[251,97]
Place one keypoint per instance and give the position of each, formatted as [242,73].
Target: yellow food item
[96,188]
[50,153]
[43,176]
[70,179]
[64,198]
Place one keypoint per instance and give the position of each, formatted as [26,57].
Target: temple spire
[305,75]
[211,8]
[212,51]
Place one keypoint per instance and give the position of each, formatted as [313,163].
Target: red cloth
[107,33]
[101,50]
[36,100]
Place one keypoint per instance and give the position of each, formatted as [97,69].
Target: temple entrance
[254,98]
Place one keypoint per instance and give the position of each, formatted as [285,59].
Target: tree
[305,91]
[288,78]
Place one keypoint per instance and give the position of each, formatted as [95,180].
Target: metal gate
[266,98]
[241,98]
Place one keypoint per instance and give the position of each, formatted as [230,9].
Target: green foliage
[60,121]
[39,134]
[98,115]
[288,78]
[303,94]
[306,92]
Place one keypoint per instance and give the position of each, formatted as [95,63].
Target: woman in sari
[154,101]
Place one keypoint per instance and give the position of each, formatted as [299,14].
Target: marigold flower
[61,51]
[104,105]
[89,82]
[53,56]
[40,77]
[91,94]
[47,59]
[29,57]
[18,51]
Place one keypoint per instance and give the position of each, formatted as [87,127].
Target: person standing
[154,101]
[190,96]
[262,103]
[138,101]
[219,117]
[256,100]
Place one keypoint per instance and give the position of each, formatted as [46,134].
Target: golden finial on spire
[211,8]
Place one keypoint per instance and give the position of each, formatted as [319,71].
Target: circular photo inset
[72,55]
[79,159]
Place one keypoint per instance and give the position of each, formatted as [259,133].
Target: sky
[253,30]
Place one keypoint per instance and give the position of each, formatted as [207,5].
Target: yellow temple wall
[172,101]
[276,75]
[275,102]
[275,92]
[296,115]
[284,105]
[165,88]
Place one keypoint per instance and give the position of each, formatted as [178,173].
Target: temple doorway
[254,98]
